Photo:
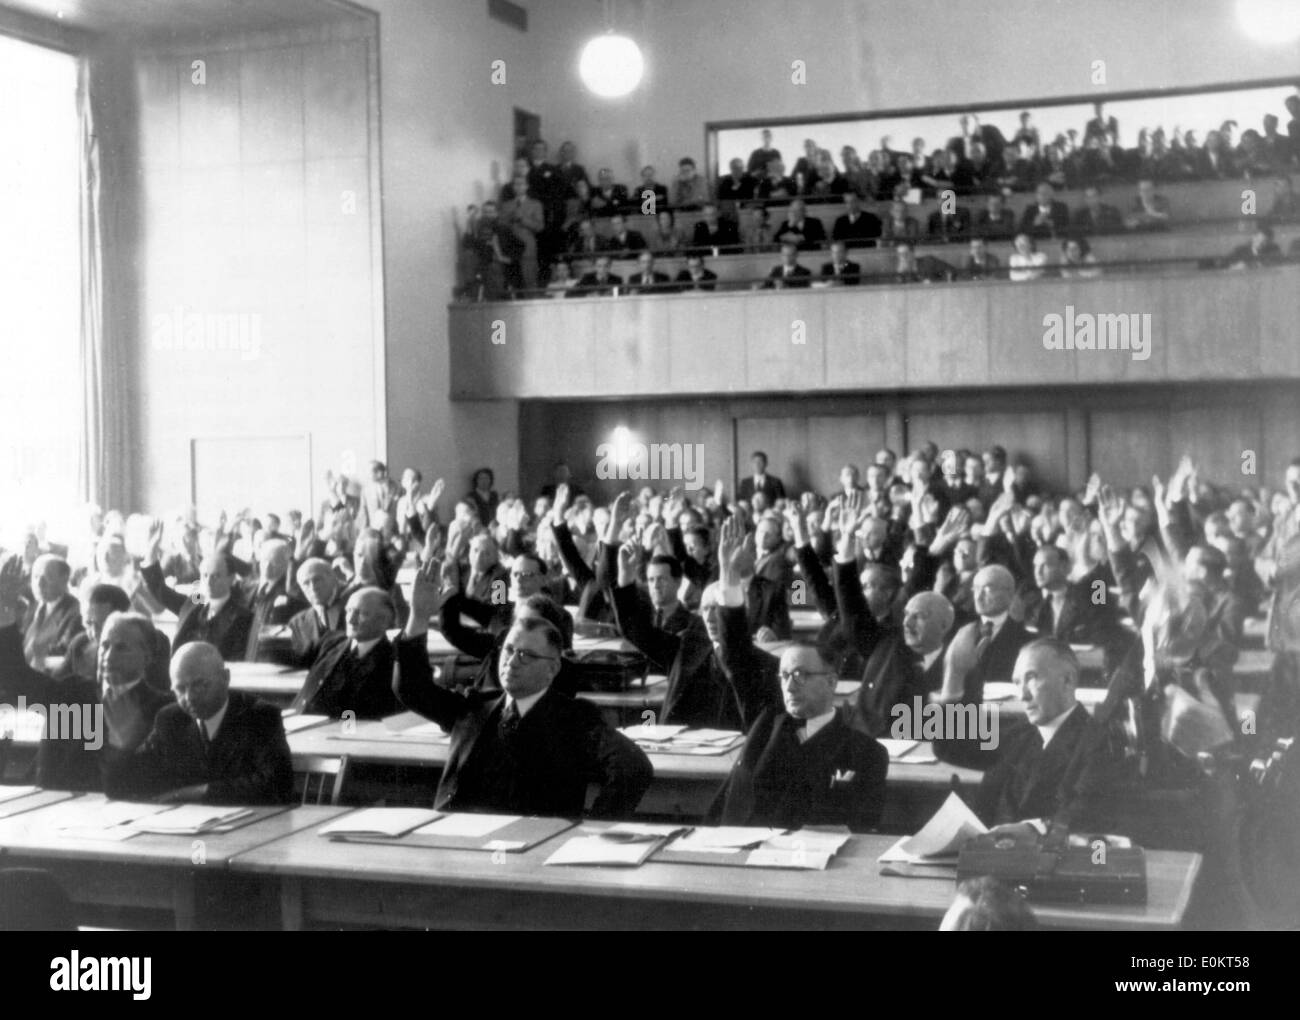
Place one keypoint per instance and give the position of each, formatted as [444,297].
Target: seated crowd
[551,216]
[933,577]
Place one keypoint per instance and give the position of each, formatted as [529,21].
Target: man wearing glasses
[804,765]
[526,749]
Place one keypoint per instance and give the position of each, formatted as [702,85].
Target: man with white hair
[54,618]
[907,664]
[272,597]
[984,650]
[353,671]
[324,614]
[213,746]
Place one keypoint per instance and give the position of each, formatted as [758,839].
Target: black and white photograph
[422,507]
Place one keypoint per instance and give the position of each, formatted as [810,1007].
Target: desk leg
[291,904]
[183,902]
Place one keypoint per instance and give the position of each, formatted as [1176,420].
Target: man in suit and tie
[802,764]
[995,222]
[324,614]
[759,480]
[646,279]
[623,239]
[695,276]
[805,231]
[984,650]
[764,154]
[789,273]
[599,281]
[273,597]
[353,671]
[949,226]
[527,749]
[213,746]
[857,227]
[839,270]
[54,618]
[1046,216]
[714,230]
[1054,607]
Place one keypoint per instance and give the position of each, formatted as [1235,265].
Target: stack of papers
[111,821]
[380,822]
[466,824]
[624,845]
[189,819]
[294,723]
[680,740]
[940,838]
[803,849]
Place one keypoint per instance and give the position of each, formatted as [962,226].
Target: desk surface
[850,887]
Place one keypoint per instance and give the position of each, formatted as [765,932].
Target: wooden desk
[145,871]
[32,801]
[269,680]
[328,883]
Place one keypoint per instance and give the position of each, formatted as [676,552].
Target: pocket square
[842,776]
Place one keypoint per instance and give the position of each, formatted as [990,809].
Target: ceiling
[183,18]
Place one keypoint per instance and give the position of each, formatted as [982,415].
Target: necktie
[510,720]
[40,615]
[986,635]
[659,619]
[205,741]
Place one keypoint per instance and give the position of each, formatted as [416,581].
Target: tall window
[40,288]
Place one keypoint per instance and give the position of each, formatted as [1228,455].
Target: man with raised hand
[526,749]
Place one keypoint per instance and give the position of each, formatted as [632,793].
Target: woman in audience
[899,226]
[483,497]
[666,238]
[562,280]
[1077,260]
[1027,262]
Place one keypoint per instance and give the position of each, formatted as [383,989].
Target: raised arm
[152,575]
[413,682]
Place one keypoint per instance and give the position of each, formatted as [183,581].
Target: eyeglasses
[799,676]
[509,652]
[521,575]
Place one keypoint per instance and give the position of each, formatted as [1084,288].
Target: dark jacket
[339,682]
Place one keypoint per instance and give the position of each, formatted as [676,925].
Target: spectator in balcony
[690,190]
[861,179]
[1286,204]
[571,171]
[1027,133]
[1097,162]
[647,279]
[1022,169]
[1216,162]
[494,252]
[774,185]
[763,155]
[583,239]
[839,270]
[881,172]
[1260,250]
[609,198]
[981,264]
[562,280]
[829,182]
[899,226]
[600,281]
[807,163]
[714,230]
[952,171]
[483,497]
[1047,216]
[949,226]
[1027,261]
[1101,126]
[1057,170]
[995,222]
[695,276]
[1096,217]
[1251,156]
[911,268]
[921,161]
[650,188]
[985,169]
[736,186]
[1276,146]
[526,219]
[856,226]
[789,273]
[1077,260]
[755,226]
[622,238]
[804,230]
[578,205]
[522,167]
[667,238]
[1150,210]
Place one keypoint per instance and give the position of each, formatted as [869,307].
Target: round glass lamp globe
[611,66]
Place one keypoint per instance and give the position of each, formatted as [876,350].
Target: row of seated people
[928,577]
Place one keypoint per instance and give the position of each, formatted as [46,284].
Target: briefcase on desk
[608,670]
[1048,870]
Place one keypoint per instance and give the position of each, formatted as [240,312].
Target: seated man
[599,281]
[896,675]
[82,660]
[623,239]
[647,279]
[801,764]
[695,276]
[214,746]
[353,671]
[215,613]
[839,269]
[528,750]
[1055,607]
[324,615]
[273,597]
[54,619]
[789,273]
[984,650]
[715,230]
[803,230]
[1057,769]
[856,227]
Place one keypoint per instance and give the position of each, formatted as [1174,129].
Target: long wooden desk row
[320,882]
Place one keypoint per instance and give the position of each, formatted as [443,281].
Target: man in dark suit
[856,226]
[981,264]
[646,279]
[801,763]
[54,618]
[949,226]
[324,616]
[608,198]
[736,186]
[214,746]
[1096,216]
[527,749]
[764,154]
[599,281]
[1057,769]
[714,230]
[1046,216]
[274,598]
[984,650]
[804,230]
[1054,607]
[622,238]
[996,222]
[789,273]
[215,613]
[839,270]
[353,671]
[695,276]
[770,486]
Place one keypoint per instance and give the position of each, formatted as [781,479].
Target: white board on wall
[267,474]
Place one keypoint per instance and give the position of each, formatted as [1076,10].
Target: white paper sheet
[466,824]
[380,822]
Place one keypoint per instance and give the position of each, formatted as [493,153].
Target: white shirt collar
[997,622]
[216,605]
[363,647]
[812,726]
[213,724]
[1048,729]
[927,660]
[119,689]
[525,705]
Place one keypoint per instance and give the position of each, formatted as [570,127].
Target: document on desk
[466,824]
[651,734]
[659,739]
[390,822]
[940,838]
[803,849]
[110,821]
[625,845]
[189,820]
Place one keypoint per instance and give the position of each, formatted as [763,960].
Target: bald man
[273,597]
[984,650]
[213,746]
[215,613]
[54,617]
[324,614]
[353,671]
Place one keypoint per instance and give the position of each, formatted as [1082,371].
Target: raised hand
[306,537]
[516,516]
[629,559]
[1111,506]
[153,542]
[11,589]
[1090,493]
[673,507]
[619,511]
[435,493]
[426,597]
[951,530]
[561,503]
[719,492]
[798,524]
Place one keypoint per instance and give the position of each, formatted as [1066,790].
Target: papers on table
[380,822]
[14,792]
[726,837]
[294,723]
[189,820]
[624,845]
[680,740]
[1000,690]
[466,825]
[940,838]
[652,734]
[406,727]
[803,849]
[110,821]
